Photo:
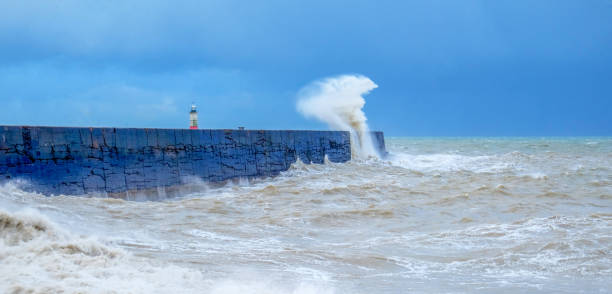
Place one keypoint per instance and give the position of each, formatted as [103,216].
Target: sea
[435,215]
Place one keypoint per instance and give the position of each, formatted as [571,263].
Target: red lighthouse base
[193,128]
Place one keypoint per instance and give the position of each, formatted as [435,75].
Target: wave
[433,217]
[38,256]
[447,162]
[540,246]
[517,163]
[338,102]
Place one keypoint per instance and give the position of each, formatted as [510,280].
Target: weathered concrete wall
[74,161]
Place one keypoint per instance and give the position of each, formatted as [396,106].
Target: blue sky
[444,68]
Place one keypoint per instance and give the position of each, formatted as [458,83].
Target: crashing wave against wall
[338,102]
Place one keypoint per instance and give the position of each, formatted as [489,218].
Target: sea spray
[338,101]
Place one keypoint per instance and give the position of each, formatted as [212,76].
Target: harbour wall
[117,161]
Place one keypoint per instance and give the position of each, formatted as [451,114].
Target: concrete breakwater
[75,161]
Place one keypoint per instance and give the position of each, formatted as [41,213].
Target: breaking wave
[38,256]
[338,102]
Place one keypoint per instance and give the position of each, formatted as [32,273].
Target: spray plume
[338,101]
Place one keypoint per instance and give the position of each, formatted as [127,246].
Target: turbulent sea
[450,215]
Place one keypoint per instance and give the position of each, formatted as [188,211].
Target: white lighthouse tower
[193,118]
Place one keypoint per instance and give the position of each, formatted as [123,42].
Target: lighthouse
[193,118]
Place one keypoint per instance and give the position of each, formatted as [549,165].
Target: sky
[443,68]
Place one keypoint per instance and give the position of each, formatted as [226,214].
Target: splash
[338,101]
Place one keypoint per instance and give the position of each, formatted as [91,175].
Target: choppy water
[438,215]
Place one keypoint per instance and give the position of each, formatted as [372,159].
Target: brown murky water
[437,215]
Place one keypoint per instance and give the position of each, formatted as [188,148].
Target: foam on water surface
[436,215]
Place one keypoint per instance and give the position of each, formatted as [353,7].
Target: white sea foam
[338,101]
[261,285]
[448,162]
[38,256]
